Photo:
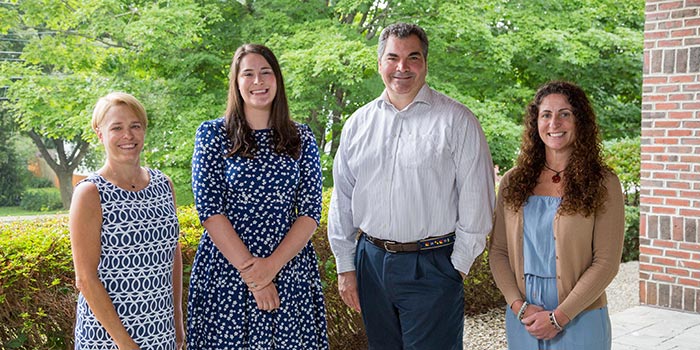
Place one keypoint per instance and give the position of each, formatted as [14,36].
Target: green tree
[78,51]
[175,56]
[12,169]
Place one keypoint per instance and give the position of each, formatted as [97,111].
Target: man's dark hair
[402,31]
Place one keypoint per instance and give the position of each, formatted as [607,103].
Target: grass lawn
[17,211]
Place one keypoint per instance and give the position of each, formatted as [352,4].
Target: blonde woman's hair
[117,98]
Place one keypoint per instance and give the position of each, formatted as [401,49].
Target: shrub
[41,199]
[630,250]
[11,173]
[37,293]
[623,156]
[39,182]
[37,297]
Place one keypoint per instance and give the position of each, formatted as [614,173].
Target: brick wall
[669,261]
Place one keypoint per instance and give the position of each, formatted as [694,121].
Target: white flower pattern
[262,197]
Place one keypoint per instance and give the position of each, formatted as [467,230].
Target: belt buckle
[387,248]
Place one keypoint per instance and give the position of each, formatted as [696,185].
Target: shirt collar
[424,96]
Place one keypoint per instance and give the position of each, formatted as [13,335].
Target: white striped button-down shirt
[407,175]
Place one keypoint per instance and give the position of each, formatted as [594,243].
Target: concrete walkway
[650,328]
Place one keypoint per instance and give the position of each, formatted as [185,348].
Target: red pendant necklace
[556,178]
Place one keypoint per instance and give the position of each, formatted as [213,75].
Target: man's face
[403,69]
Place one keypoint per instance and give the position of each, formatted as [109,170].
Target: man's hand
[347,286]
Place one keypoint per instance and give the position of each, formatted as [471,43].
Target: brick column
[669,261]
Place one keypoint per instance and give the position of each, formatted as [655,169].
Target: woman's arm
[177,296]
[228,242]
[177,284]
[232,247]
[499,253]
[263,270]
[608,241]
[85,223]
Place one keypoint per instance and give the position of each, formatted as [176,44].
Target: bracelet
[553,321]
[521,312]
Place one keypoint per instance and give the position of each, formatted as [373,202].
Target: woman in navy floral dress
[257,184]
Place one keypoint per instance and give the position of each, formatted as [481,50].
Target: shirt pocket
[418,151]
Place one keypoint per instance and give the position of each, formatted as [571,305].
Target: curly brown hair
[285,136]
[584,188]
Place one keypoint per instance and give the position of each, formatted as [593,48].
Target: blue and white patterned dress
[262,197]
[139,235]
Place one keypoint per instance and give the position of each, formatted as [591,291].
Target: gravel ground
[487,331]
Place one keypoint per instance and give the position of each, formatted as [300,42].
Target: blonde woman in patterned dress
[124,232]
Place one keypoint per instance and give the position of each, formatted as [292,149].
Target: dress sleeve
[310,187]
[208,175]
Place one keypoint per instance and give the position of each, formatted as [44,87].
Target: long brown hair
[584,189]
[285,136]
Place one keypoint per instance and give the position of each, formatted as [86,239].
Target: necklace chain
[556,178]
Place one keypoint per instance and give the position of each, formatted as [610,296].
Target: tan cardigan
[588,251]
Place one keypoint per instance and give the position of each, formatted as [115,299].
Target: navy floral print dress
[262,197]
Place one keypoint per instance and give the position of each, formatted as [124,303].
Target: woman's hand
[267,297]
[531,310]
[257,273]
[179,336]
[538,325]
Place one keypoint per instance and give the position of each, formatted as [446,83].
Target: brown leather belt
[423,244]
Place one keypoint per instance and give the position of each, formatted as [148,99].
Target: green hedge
[41,199]
[630,251]
[39,182]
[37,293]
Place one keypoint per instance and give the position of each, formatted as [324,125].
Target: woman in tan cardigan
[559,228]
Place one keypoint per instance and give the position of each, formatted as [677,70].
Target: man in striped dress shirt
[412,203]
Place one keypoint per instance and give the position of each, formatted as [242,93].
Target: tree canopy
[174,56]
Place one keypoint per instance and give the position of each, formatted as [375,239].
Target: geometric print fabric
[138,238]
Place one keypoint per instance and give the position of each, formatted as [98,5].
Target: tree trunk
[65,184]
[63,164]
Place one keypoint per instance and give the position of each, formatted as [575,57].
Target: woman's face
[122,133]
[556,123]
[256,82]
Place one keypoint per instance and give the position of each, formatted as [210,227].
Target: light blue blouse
[538,242]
